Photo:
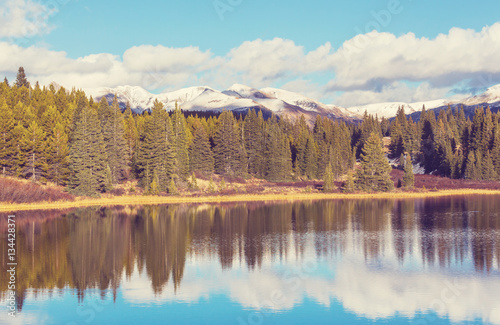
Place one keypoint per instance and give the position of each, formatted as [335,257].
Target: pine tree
[301,134]
[375,168]
[201,158]
[328,184]
[254,143]
[408,178]
[181,139]
[7,145]
[114,140]
[156,150]
[471,171]
[228,155]
[172,188]
[495,152]
[33,144]
[211,185]
[488,169]
[131,136]
[21,80]
[58,155]
[88,160]
[349,184]
[311,158]
[278,166]
[193,182]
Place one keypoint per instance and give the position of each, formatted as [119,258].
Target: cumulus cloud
[369,68]
[24,18]
[366,60]
[262,63]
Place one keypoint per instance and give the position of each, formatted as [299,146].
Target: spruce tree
[471,171]
[488,169]
[349,184]
[114,140]
[311,158]
[408,178]
[201,158]
[7,144]
[21,80]
[88,159]
[156,152]
[328,184]
[495,151]
[33,144]
[254,143]
[58,155]
[228,154]
[182,137]
[374,174]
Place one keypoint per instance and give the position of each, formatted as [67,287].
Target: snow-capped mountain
[272,100]
[491,97]
[389,110]
[236,98]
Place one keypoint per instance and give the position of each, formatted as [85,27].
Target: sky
[345,53]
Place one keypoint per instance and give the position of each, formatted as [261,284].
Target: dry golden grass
[152,200]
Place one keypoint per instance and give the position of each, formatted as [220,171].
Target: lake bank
[153,200]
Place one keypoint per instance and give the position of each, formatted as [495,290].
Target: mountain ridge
[241,98]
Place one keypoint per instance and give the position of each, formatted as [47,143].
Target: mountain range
[241,98]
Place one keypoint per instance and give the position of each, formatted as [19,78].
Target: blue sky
[343,52]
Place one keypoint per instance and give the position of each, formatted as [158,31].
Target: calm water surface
[433,261]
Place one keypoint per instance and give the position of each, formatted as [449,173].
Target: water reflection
[378,258]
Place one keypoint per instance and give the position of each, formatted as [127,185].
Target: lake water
[432,261]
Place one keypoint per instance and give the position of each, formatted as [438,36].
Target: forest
[64,137]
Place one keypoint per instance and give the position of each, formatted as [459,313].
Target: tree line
[61,136]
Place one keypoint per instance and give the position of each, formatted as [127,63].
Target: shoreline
[157,200]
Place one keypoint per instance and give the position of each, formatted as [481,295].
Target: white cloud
[25,18]
[380,58]
[262,63]
[370,68]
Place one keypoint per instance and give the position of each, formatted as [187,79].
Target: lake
[423,261]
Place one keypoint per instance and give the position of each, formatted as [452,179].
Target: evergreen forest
[64,137]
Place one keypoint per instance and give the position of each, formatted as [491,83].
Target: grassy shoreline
[153,200]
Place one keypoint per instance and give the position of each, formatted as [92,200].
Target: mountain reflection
[402,244]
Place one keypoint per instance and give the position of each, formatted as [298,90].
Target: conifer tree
[181,139]
[495,152]
[375,168]
[33,144]
[88,160]
[278,166]
[301,134]
[328,184]
[228,155]
[21,80]
[114,140]
[349,184]
[488,169]
[471,171]
[254,143]
[201,158]
[131,136]
[7,146]
[408,178]
[156,151]
[58,155]
[311,159]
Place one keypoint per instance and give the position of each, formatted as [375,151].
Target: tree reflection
[94,248]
